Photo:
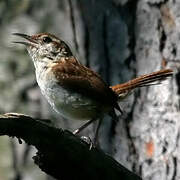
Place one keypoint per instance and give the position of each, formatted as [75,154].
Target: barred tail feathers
[122,90]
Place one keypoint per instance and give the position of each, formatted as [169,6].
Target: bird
[75,91]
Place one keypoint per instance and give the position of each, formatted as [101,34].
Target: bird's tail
[122,90]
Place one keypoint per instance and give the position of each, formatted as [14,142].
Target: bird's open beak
[30,42]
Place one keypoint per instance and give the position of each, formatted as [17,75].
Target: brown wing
[76,77]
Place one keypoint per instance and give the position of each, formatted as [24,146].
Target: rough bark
[153,129]
[133,38]
[62,154]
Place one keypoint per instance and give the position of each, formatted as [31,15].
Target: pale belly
[72,105]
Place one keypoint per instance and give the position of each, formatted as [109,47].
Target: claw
[88,140]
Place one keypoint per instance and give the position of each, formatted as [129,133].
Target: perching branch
[62,154]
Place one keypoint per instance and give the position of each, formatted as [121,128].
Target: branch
[62,154]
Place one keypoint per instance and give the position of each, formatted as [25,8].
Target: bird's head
[44,47]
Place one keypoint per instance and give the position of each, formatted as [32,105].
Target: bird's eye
[47,39]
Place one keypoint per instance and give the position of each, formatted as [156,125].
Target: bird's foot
[88,141]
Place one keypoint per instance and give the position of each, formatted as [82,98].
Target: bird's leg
[97,132]
[77,131]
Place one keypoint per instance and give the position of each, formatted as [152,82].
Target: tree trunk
[124,40]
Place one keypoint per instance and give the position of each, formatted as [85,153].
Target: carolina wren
[73,90]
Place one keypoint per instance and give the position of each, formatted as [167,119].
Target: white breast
[70,105]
